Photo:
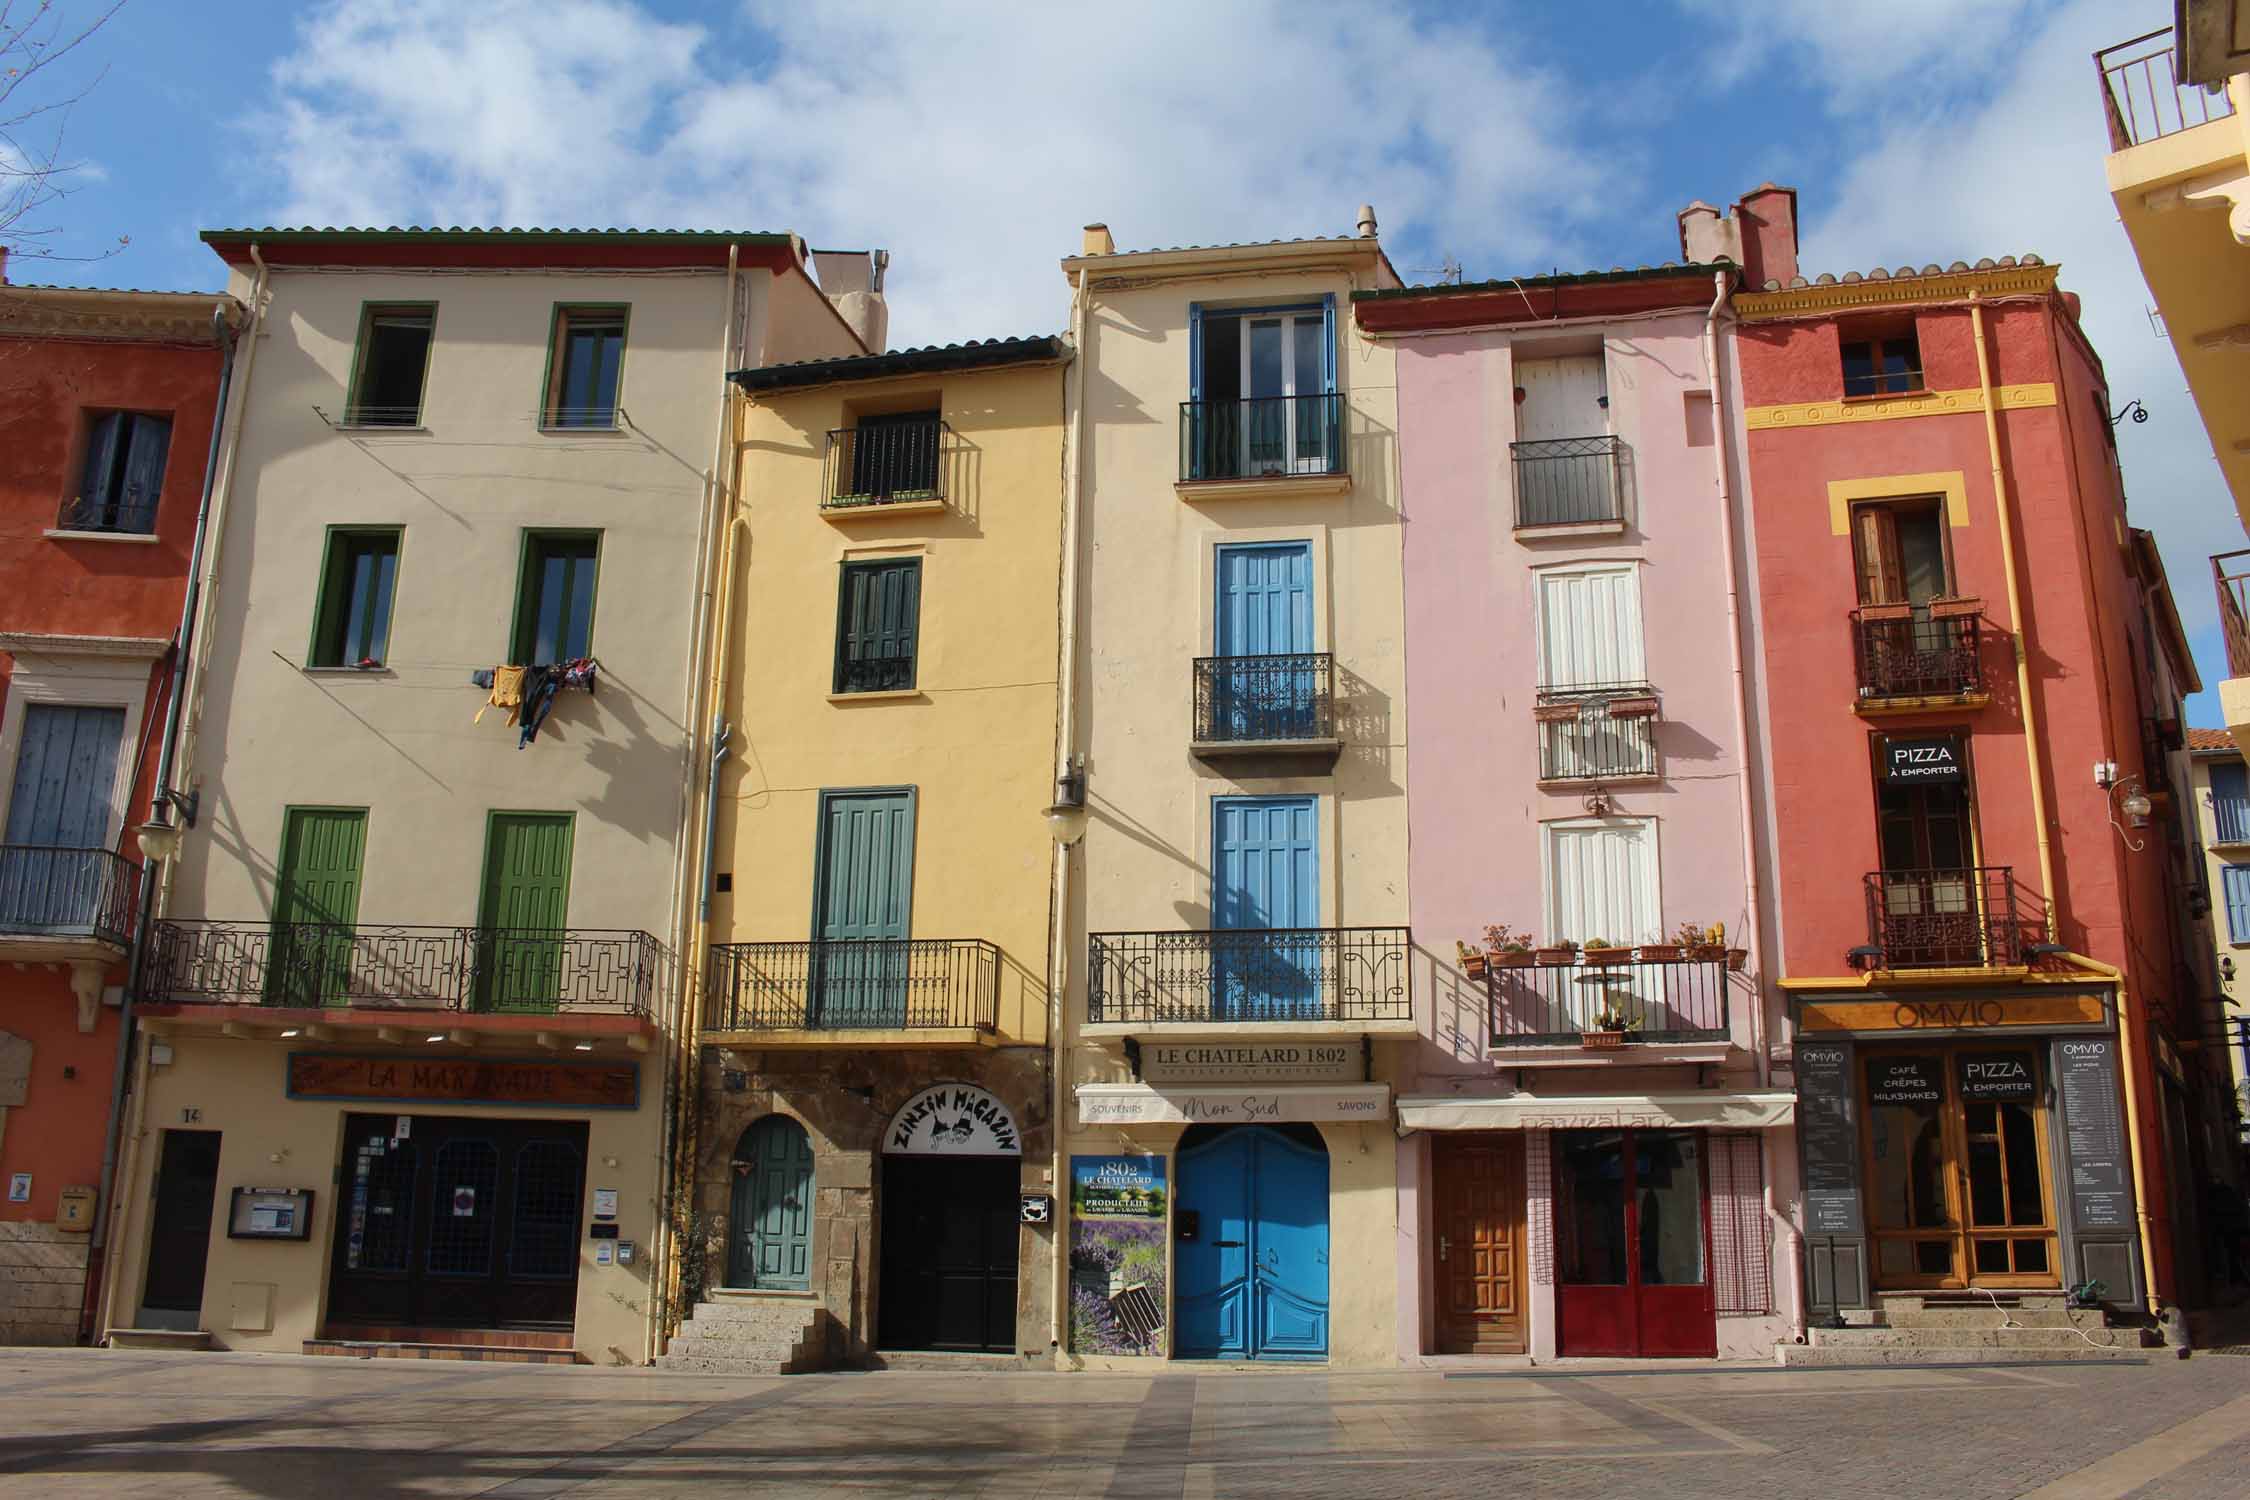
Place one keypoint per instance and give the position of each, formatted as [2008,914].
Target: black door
[949,1253]
[458,1223]
[187,1181]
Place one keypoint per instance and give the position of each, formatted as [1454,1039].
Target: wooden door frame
[1509,1142]
[1629,1205]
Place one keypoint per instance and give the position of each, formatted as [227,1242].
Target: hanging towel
[539,687]
[578,674]
[507,692]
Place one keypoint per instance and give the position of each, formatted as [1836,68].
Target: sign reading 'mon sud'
[532,1081]
[1918,758]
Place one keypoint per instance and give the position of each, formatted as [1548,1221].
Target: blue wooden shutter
[2234,882]
[101,456]
[2230,803]
[1195,351]
[1328,343]
[65,773]
[144,474]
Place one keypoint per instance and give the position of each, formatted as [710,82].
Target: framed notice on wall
[270,1214]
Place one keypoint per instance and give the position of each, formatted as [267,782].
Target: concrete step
[159,1338]
[1939,1301]
[787,1314]
[702,1365]
[2088,1318]
[1972,1338]
[1927,1354]
[687,1342]
[504,1354]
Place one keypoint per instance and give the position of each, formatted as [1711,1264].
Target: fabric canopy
[1249,1104]
[1703,1108]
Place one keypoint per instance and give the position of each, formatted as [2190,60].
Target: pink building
[1590,1138]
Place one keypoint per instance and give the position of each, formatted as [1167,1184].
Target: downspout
[183,642]
[1066,734]
[2133,1141]
[677,1158]
[2015,621]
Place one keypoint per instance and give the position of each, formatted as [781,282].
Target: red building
[107,404]
[1970,674]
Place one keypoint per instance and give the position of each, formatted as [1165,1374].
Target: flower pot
[1553,955]
[1555,713]
[1658,953]
[1706,953]
[1514,958]
[1606,956]
[1956,609]
[1736,958]
[1594,1041]
[1886,612]
[1472,964]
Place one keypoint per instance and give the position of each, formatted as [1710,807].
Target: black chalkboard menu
[2094,1132]
[1905,1080]
[1828,1137]
[2008,1077]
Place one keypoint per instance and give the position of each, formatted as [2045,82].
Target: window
[584,364]
[555,598]
[1882,366]
[124,474]
[878,614]
[2235,880]
[1262,393]
[2230,803]
[1590,629]
[1898,548]
[352,622]
[894,456]
[394,359]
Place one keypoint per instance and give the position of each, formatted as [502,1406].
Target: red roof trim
[508,254]
[1534,304]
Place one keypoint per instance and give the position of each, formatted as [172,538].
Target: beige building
[873,1161]
[1233,923]
[2221,802]
[409,1007]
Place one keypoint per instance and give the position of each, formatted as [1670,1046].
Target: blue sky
[973,140]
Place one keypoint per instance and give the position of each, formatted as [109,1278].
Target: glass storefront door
[1957,1183]
[1631,1243]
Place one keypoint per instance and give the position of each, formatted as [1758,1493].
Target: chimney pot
[3,265]
[1098,241]
[1367,221]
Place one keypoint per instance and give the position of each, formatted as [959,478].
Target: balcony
[1597,732]
[1656,1004]
[1946,919]
[2143,97]
[1266,705]
[887,468]
[1308,980]
[65,904]
[465,971]
[1570,486]
[2231,575]
[1908,654]
[934,991]
[1268,443]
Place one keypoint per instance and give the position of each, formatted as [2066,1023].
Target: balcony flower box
[1872,612]
[1553,956]
[1705,953]
[1513,958]
[1603,957]
[1555,713]
[1597,1041]
[1640,706]
[1956,609]
[1658,953]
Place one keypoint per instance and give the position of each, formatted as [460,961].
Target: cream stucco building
[407,1073]
[1233,933]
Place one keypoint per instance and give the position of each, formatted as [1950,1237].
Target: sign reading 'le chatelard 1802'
[1922,758]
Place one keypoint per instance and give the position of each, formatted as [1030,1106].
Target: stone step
[689,1343]
[505,1354]
[1926,1354]
[702,1365]
[1972,1338]
[159,1338]
[1940,1301]
[794,1314]
[2088,1318]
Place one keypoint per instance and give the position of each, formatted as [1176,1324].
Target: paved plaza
[90,1422]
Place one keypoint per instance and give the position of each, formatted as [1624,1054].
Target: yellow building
[1235,916]
[871,1146]
[2178,105]
[2220,785]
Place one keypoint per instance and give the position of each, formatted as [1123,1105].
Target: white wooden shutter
[1562,398]
[1590,628]
[1601,881]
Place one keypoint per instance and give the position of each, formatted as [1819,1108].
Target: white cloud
[2021,170]
[1872,61]
[970,142]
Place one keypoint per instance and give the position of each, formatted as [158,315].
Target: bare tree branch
[35,108]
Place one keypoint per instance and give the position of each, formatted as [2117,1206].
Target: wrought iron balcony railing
[1604,731]
[1536,1005]
[885,463]
[47,892]
[885,984]
[2232,579]
[2142,95]
[1263,437]
[1249,974]
[320,965]
[1914,651]
[130,512]
[1945,919]
[1569,481]
[1252,700]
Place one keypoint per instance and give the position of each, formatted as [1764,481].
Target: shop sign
[1129,1104]
[2094,1132]
[1905,1080]
[1996,1077]
[1952,1013]
[550,1084]
[953,1119]
[1251,1062]
[1828,1138]
[1118,1245]
[1926,758]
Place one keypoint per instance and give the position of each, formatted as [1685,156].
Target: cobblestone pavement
[90,1422]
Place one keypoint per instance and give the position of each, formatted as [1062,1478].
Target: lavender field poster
[1119,1223]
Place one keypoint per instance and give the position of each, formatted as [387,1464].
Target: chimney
[3,265]
[1367,221]
[852,281]
[1705,236]
[1098,241]
[1767,222]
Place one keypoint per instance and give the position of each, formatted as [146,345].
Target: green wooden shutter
[526,905]
[878,622]
[316,906]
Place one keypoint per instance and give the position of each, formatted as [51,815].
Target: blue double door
[1253,1276]
[1266,684]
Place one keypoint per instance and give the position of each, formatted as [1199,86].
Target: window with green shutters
[352,621]
[878,616]
[555,598]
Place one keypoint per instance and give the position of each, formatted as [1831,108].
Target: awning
[1705,1108]
[1272,1104]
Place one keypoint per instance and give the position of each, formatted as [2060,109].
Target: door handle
[1443,1245]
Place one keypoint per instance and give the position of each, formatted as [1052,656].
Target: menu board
[2094,1132]
[1828,1138]
[1905,1080]
[1997,1077]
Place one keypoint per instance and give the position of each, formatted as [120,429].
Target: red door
[1632,1244]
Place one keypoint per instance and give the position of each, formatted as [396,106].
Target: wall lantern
[1066,819]
[159,837]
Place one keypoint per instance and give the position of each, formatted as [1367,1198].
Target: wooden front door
[771,1241]
[1479,1195]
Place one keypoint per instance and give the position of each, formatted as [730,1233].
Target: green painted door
[525,908]
[316,906]
[861,909]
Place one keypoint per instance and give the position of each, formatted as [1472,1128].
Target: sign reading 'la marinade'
[1927,758]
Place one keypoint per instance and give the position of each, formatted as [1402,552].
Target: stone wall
[42,1283]
[844,1100]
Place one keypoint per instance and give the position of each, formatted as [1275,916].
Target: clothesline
[528,692]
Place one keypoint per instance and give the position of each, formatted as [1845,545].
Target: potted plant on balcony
[1506,947]
[1555,951]
[1658,953]
[1703,945]
[1601,951]
[1471,959]
[1956,609]
[1898,611]
[1609,1028]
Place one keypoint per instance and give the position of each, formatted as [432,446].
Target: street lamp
[159,837]
[1066,819]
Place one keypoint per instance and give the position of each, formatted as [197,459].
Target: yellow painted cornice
[1903,979]
[1890,408]
[1859,296]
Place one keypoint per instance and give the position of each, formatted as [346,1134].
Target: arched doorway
[769,1241]
[1253,1275]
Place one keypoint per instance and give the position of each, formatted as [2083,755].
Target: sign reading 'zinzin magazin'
[953,1119]
[1251,1062]
[564,1085]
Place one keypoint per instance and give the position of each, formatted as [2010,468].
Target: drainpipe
[2126,1053]
[182,643]
[1066,734]
[2015,619]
